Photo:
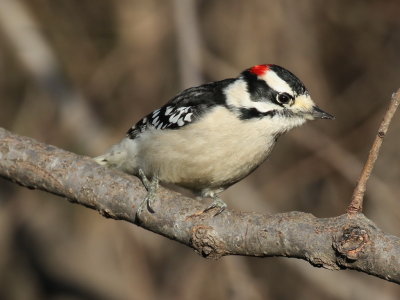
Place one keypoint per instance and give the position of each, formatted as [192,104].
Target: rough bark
[348,241]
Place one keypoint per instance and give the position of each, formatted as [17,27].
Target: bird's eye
[284,98]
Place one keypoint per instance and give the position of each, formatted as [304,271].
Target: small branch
[333,243]
[356,203]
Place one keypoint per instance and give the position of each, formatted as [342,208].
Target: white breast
[218,150]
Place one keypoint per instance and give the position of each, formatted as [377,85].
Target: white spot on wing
[180,122]
[168,110]
[188,117]
[156,112]
[174,118]
[155,120]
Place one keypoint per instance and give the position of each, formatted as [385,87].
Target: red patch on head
[259,70]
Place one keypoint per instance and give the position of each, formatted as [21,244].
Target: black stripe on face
[259,90]
[251,113]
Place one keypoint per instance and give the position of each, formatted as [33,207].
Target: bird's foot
[144,179]
[151,187]
[217,203]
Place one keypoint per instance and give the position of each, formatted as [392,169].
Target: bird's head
[270,91]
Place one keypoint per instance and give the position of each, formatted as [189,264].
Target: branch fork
[356,203]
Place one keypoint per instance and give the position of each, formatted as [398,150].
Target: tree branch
[356,203]
[333,243]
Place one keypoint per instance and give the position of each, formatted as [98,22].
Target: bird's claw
[217,203]
[151,187]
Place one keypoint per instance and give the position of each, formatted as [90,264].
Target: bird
[211,136]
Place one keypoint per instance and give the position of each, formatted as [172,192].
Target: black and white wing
[183,109]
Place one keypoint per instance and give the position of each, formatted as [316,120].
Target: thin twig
[356,203]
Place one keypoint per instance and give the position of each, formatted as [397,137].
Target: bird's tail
[120,156]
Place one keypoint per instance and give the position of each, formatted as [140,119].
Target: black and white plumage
[184,108]
[211,136]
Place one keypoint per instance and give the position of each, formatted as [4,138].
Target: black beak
[320,114]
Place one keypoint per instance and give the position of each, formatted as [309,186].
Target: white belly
[215,152]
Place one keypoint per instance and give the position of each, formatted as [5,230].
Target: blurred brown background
[78,73]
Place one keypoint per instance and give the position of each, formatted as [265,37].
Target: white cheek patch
[238,96]
[265,106]
[276,83]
